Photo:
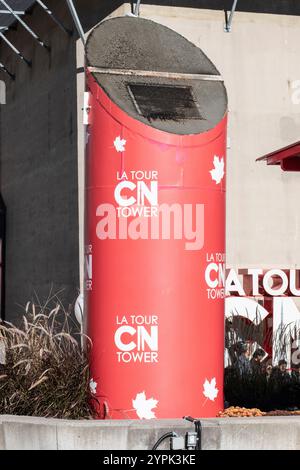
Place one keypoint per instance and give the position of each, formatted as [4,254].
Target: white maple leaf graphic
[143,406]
[217,174]
[119,144]
[93,386]
[209,389]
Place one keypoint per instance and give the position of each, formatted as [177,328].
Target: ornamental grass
[43,369]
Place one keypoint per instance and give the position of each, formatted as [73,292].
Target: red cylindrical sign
[155,223]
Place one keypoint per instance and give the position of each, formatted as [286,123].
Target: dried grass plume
[43,370]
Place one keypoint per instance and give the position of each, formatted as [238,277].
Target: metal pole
[14,49]
[137,8]
[6,12]
[4,69]
[76,20]
[33,34]
[229,22]
[50,13]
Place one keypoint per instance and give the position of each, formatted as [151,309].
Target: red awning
[288,157]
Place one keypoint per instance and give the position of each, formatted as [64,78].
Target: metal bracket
[228,20]
[4,69]
[86,108]
[136,8]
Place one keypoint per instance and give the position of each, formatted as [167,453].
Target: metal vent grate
[164,102]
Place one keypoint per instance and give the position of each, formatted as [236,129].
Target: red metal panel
[291,164]
[158,340]
[288,158]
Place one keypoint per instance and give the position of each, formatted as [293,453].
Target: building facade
[42,137]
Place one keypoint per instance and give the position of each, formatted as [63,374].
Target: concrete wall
[41,141]
[38,158]
[258,61]
[284,7]
[264,433]
[38,165]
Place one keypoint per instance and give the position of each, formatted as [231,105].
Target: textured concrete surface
[280,433]
[137,44]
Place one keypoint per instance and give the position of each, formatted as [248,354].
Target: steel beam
[76,20]
[228,20]
[136,11]
[7,12]
[4,69]
[30,31]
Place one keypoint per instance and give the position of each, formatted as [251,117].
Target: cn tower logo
[137,213]
[137,194]
[136,338]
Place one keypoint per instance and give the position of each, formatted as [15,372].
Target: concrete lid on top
[129,43]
